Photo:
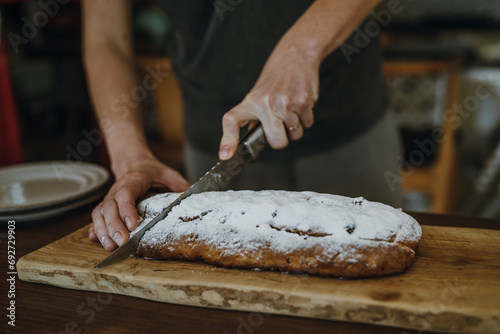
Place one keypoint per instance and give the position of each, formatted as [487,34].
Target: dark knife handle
[253,142]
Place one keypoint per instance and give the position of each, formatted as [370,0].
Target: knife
[247,151]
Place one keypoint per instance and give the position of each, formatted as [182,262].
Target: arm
[284,95]
[109,64]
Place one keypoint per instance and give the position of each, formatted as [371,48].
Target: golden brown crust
[386,259]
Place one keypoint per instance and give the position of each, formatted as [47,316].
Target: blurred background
[442,66]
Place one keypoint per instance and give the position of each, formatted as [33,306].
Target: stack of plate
[40,190]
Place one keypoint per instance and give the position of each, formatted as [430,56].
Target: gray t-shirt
[219,49]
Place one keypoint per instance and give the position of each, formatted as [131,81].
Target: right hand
[282,99]
[116,215]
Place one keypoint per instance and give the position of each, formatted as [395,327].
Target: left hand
[282,100]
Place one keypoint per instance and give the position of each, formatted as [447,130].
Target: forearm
[111,80]
[109,63]
[324,26]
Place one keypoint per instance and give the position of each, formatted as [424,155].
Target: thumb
[174,180]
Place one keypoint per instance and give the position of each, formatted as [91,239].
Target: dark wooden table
[47,309]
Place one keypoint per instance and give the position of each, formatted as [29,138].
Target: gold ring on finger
[294,128]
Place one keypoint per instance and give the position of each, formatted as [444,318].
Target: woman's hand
[283,97]
[116,215]
[282,100]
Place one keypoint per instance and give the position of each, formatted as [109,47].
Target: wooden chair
[439,180]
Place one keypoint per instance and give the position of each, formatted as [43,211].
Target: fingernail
[128,222]
[118,238]
[91,235]
[224,152]
[106,242]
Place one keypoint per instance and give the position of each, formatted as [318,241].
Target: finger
[125,200]
[175,181]
[301,105]
[278,113]
[100,229]
[293,126]
[92,236]
[275,133]
[171,179]
[315,94]
[116,228]
[231,123]
[307,118]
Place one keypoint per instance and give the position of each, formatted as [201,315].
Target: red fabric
[10,139]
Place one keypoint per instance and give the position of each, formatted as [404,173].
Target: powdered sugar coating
[241,221]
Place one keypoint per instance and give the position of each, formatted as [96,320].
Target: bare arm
[109,63]
[108,60]
[284,95]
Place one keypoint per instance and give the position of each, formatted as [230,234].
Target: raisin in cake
[303,232]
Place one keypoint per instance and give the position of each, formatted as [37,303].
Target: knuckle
[106,205]
[100,232]
[291,119]
[113,226]
[122,195]
[96,211]
[302,101]
[266,100]
[285,100]
[276,126]
[229,118]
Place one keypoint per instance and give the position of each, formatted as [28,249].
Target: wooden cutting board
[454,285]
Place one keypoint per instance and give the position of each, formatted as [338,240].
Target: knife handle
[253,142]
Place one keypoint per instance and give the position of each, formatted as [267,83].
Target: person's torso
[219,49]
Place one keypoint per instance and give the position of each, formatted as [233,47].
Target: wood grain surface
[454,285]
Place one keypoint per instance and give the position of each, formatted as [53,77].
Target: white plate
[51,211]
[33,186]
